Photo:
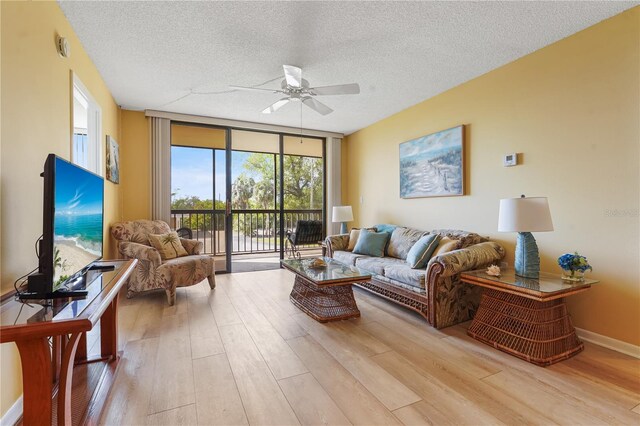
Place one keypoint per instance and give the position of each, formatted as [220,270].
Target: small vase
[572,275]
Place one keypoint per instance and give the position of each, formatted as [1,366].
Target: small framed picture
[113,160]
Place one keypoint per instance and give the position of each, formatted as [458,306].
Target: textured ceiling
[153,54]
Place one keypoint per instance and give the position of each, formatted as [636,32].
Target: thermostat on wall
[510,160]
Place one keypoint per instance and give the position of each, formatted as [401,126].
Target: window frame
[95,147]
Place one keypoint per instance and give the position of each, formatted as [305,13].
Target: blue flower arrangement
[574,263]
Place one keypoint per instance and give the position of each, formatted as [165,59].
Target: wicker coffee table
[524,317]
[325,294]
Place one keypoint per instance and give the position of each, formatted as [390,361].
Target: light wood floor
[243,354]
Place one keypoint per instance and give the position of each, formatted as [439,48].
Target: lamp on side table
[342,214]
[524,216]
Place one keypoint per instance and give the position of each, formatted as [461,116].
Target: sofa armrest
[451,301]
[468,259]
[192,246]
[336,242]
[139,251]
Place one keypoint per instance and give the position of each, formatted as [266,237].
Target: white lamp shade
[342,214]
[524,215]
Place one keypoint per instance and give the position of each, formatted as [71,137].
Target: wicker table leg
[330,303]
[538,332]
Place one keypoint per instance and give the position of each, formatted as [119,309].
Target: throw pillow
[353,237]
[422,250]
[168,245]
[445,246]
[401,241]
[371,243]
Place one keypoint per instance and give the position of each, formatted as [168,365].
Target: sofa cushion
[371,243]
[346,257]
[446,245]
[400,284]
[466,238]
[406,275]
[401,241]
[376,265]
[422,250]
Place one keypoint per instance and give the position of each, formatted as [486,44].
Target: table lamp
[342,214]
[524,216]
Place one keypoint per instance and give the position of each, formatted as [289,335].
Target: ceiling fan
[297,89]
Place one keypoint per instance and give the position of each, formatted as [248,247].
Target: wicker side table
[526,318]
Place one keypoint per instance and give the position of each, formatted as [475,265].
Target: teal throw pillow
[371,243]
[421,252]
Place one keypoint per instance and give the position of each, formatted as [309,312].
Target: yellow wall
[573,110]
[135,166]
[36,121]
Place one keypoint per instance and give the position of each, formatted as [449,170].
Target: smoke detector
[64,50]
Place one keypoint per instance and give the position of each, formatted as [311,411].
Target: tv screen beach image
[77,229]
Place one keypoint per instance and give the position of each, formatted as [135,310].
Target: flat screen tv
[72,226]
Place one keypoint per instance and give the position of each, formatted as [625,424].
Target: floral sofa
[151,271]
[436,291]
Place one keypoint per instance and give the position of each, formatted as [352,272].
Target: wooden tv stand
[51,338]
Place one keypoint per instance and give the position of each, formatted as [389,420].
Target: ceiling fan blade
[293,75]
[338,89]
[256,89]
[276,106]
[316,105]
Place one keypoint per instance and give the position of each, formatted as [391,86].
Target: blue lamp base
[527,264]
[343,228]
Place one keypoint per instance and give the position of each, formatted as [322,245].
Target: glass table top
[15,312]
[333,272]
[547,283]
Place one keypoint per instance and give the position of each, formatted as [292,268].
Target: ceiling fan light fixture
[297,89]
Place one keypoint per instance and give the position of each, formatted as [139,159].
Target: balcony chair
[306,232]
[151,271]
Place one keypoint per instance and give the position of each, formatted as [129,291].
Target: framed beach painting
[113,160]
[433,165]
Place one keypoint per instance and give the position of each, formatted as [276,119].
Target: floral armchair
[151,271]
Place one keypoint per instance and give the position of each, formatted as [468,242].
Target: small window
[86,141]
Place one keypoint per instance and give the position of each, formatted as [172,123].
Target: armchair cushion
[168,245]
[192,246]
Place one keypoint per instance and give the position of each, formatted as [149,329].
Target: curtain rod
[237,124]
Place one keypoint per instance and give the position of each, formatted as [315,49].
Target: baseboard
[608,342]
[12,415]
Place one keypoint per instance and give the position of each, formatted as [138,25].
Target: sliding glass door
[199,187]
[240,192]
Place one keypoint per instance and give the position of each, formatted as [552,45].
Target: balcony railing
[253,231]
